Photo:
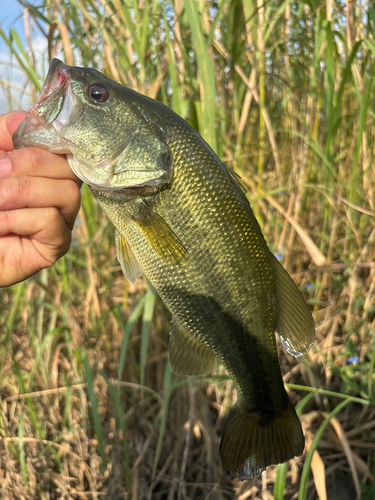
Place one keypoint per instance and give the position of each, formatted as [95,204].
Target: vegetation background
[284,93]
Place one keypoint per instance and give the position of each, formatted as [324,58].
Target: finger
[40,163]
[8,125]
[30,240]
[33,192]
[45,225]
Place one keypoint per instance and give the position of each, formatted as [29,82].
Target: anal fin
[188,356]
[295,324]
[129,264]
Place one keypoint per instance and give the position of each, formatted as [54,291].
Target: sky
[10,11]
[11,16]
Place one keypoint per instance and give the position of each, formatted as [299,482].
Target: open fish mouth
[40,127]
[119,154]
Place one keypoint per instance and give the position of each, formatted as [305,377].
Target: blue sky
[11,16]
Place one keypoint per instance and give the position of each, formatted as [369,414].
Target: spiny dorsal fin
[188,356]
[160,236]
[295,324]
[237,181]
[129,264]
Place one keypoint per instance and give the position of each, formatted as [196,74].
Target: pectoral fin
[160,236]
[186,355]
[295,324]
[129,264]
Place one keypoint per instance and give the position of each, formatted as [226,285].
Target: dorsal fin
[295,324]
[187,356]
[238,183]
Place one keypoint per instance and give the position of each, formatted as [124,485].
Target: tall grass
[284,92]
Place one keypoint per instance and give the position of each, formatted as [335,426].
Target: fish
[182,218]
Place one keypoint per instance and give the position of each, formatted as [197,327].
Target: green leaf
[207,87]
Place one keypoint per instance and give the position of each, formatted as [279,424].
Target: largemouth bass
[183,219]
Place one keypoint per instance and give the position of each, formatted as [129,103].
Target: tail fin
[252,441]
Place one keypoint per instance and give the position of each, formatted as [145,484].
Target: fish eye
[97,93]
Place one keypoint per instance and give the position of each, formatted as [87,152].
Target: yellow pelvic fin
[129,264]
[160,236]
[295,324]
[252,441]
[187,356]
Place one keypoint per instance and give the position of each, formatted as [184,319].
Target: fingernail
[5,168]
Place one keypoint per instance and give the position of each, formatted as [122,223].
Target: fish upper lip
[58,76]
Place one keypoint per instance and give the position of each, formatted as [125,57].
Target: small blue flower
[278,256]
[353,360]
[309,286]
[280,192]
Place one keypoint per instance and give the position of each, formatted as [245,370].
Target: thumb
[8,125]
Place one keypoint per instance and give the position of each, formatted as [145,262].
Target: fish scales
[232,246]
[183,219]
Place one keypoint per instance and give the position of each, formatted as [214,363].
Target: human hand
[39,202]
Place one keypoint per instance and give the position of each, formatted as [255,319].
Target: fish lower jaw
[32,132]
[138,191]
[30,125]
[99,182]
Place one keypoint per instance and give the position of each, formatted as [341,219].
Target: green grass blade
[36,13]
[361,128]
[315,442]
[167,394]
[315,147]
[274,18]
[329,73]
[21,449]
[339,96]
[208,87]
[25,64]
[87,14]
[144,30]
[20,290]
[324,392]
[370,379]
[126,11]
[94,408]
[176,88]
[32,414]
[127,329]
[122,423]
[17,297]
[148,313]
[46,340]
[282,469]
[280,480]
